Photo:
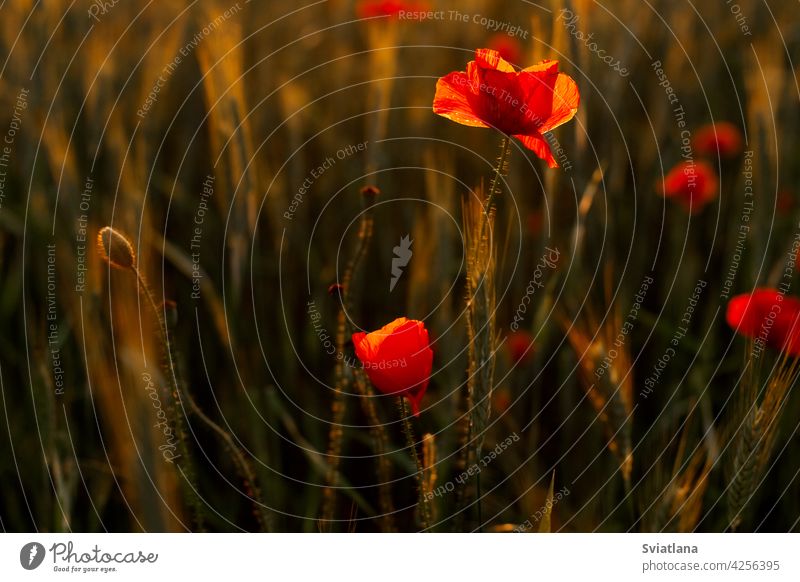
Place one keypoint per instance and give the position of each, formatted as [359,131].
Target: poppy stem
[500,170]
[422,503]
[168,369]
[244,469]
[343,380]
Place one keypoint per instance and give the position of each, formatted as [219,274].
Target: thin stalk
[500,170]
[190,490]
[424,513]
[380,444]
[342,381]
[243,467]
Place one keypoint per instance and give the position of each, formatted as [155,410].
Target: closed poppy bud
[769,316]
[723,139]
[692,184]
[397,359]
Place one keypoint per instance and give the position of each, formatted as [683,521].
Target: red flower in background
[506,46]
[785,201]
[523,104]
[768,315]
[722,138]
[693,184]
[397,358]
[373,8]
[520,346]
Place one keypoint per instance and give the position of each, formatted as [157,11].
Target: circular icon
[31,555]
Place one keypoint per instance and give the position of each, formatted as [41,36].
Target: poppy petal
[491,59]
[546,66]
[452,100]
[552,98]
[540,147]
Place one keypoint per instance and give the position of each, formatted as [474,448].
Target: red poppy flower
[722,138]
[373,8]
[506,46]
[768,315]
[693,184]
[397,358]
[520,346]
[524,104]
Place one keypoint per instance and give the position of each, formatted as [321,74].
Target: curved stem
[242,465]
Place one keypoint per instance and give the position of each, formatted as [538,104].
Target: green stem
[494,187]
[409,432]
[242,465]
[190,490]
[342,382]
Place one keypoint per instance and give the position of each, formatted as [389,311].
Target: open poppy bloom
[767,315]
[524,104]
[722,138]
[693,184]
[397,358]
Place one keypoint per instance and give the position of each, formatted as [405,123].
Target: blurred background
[229,143]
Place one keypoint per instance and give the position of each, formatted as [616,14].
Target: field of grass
[202,202]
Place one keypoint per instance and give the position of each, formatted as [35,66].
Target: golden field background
[258,95]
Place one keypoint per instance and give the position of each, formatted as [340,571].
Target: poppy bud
[397,359]
[115,249]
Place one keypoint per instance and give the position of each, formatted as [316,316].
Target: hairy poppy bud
[115,249]
[397,359]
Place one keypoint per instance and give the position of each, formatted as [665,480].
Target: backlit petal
[540,147]
[452,100]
